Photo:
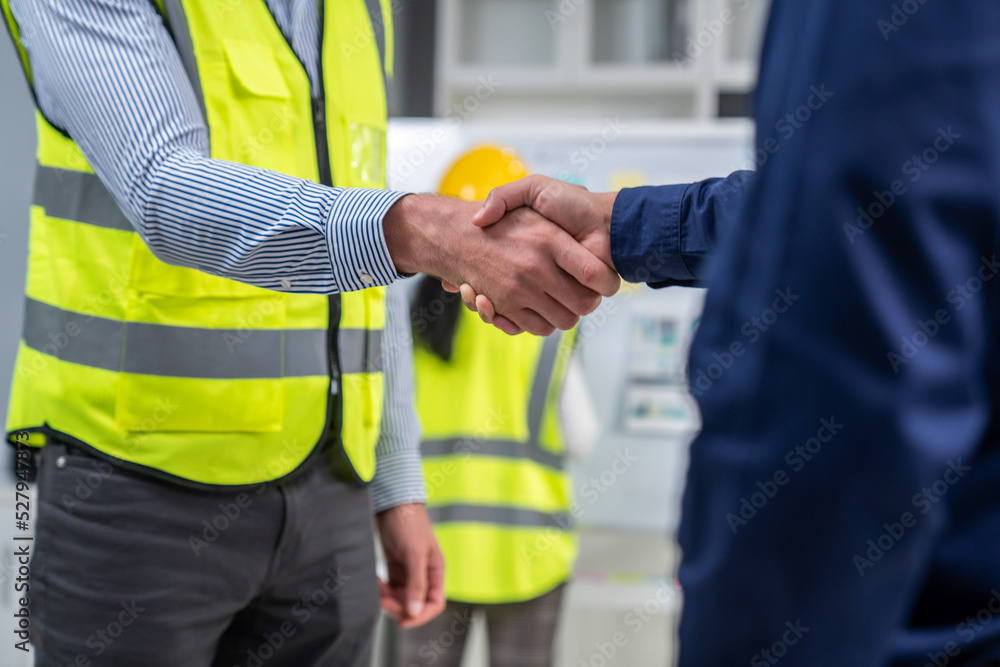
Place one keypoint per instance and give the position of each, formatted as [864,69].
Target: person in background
[499,415]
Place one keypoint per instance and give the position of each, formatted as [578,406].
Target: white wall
[17,144]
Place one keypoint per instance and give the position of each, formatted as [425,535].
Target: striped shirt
[107,72]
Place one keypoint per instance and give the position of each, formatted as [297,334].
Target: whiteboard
[643,496]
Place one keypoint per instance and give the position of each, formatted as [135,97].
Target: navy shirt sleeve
[662,235]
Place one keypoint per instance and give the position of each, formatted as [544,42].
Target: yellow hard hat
[480,170]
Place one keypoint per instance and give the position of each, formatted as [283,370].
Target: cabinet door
[518,33]
[637,31]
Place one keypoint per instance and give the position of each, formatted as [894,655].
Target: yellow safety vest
[494,456]
[187,375]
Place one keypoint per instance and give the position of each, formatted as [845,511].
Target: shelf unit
[592,58]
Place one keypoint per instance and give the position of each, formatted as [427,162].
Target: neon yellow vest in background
[179,372]
[494,458]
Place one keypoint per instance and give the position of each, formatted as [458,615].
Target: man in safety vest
[208,358]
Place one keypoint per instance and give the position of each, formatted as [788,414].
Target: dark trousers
[520,634]
[132,571]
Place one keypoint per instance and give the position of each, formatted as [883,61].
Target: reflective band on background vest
[192,375]
[499,496]
[510,516]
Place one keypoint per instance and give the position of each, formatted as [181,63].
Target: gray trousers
[131,571]
[520,634]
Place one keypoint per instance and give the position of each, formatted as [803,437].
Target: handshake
[534,256]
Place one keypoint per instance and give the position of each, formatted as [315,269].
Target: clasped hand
[526,273]
[584,215]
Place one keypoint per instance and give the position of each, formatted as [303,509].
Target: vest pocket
[255,68]
[365,154]
[257,99]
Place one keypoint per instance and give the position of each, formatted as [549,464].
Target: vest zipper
[326,178]
[319,125]
[334,402]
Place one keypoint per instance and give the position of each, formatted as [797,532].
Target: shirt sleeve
[662,235]
[399,475]
[107,73]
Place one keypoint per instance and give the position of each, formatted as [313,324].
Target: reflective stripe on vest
[505,449]
[511,449]
[499,496]
[155,349]
[508,449]
[77,196]
[193,375]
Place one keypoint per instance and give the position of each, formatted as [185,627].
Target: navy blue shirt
[843,499]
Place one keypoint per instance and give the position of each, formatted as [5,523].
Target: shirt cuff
[646,235]
[399,479]
[356,241]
